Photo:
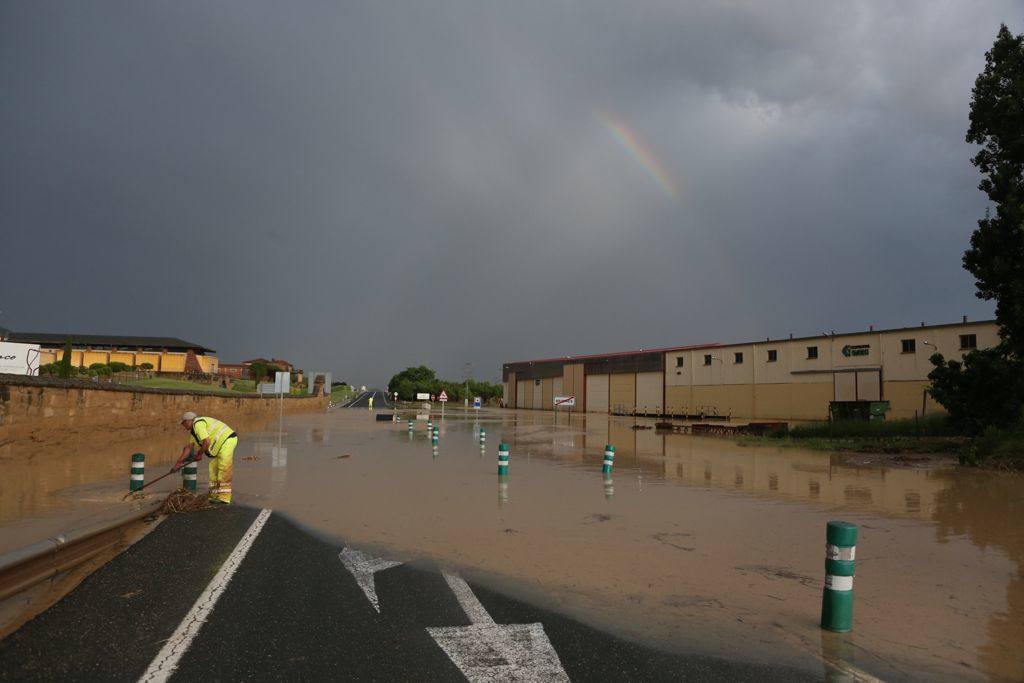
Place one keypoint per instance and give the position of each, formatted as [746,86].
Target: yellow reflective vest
[213,429]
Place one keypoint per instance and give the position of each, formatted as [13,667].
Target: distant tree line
[422,379]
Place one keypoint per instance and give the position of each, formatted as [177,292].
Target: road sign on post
[476,403]
[443,398]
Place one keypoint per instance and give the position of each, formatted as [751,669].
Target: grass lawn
[170,383]
[340,394]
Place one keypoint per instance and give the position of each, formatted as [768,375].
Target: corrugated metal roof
[96,340]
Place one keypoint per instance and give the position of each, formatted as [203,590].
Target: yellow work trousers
[220,472]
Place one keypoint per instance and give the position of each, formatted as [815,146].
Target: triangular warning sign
[443,398]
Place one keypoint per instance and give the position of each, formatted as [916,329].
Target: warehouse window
[679,361]
[812,352]
[968,341]
[707,359]
[773,355]
[909,345]
[739,357]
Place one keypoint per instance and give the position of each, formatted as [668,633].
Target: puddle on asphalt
[693,544]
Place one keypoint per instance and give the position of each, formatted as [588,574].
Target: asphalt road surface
[243,594]
[362,400]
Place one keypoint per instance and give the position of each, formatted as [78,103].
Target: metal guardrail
[29,566]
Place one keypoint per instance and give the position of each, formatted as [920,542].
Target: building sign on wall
[856,350]
[19,359]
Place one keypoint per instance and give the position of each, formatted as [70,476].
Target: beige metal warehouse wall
[572,385]
[547,391]
[648,391]
[579,388]
[678,400]
[597,393]
[622,392]
[521,393]
[537,402]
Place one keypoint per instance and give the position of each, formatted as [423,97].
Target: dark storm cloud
[365,186]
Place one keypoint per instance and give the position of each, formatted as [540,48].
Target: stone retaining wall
[43,411]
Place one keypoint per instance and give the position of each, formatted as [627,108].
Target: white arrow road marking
[363,567]
[486,652]
[167,659]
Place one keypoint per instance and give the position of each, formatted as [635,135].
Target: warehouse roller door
[597,393]
[538,394]
[622,392]
[521,394]
[649,392]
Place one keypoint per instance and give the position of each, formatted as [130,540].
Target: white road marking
[486,652]
[363,567]
[858,675]
[167,659]
[468,600]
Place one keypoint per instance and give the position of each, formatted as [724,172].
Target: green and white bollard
[503,459]
[430,426]
[483,436]
[609,459]
[190,476]
[138,472]
[410,426]
[435,438]
[837,598]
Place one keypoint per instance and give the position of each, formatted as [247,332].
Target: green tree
[412,380]
[986,388]
[996,255]
[65,369]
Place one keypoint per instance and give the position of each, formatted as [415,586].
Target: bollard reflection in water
[502,490]
[609,487]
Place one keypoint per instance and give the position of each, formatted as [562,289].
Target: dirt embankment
[42,413]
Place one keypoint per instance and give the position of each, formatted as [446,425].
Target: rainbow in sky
[632,143]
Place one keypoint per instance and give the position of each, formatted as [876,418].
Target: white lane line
[167,660]
[486,652]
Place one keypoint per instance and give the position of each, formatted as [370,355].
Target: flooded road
[694,545]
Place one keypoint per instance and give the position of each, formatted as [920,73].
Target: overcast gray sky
[364,186]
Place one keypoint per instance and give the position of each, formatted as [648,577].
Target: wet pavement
[292,611]
[695,546]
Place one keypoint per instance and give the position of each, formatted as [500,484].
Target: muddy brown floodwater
[696,545]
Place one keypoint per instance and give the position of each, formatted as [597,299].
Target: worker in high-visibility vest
[217,441]
[371,401]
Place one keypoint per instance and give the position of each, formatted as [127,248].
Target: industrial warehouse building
[788,379]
